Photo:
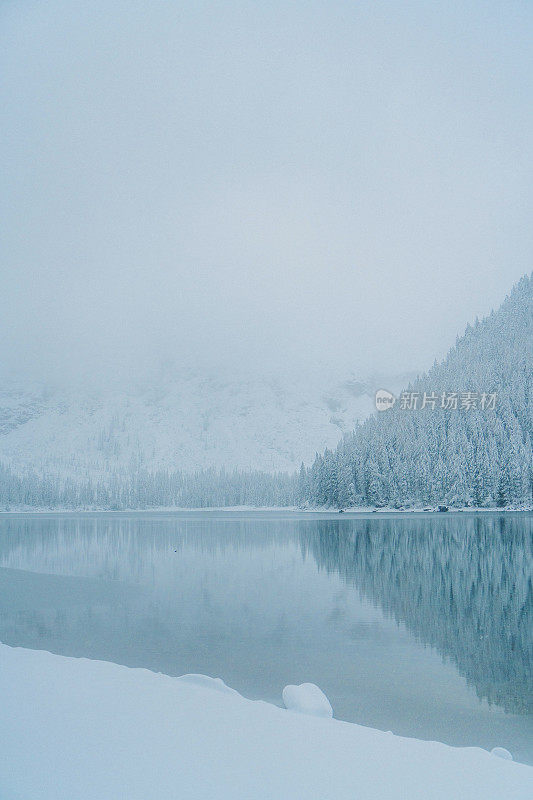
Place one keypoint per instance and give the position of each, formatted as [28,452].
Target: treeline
[471,455]
[144,490]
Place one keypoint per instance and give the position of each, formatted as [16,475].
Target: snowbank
[79,729]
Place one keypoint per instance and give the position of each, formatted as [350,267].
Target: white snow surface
[307,698]
[89,730]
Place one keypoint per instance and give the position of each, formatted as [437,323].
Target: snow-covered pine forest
[141,490]
[463,456]
[400,457]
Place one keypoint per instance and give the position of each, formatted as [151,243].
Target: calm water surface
[419,624]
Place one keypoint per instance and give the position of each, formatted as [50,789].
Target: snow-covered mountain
[181,420]
[466,451]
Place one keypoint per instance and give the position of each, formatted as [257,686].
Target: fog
[259,185]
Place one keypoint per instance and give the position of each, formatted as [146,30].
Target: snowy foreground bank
[79,729]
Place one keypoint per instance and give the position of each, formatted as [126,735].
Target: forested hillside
[477,451]
[175,418]
[460,435]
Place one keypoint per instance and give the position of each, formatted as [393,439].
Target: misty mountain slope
[179,422]
[466,455]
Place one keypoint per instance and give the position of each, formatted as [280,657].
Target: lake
[417,623]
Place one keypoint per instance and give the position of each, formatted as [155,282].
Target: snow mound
[307,698]
[501,752]
[209,683]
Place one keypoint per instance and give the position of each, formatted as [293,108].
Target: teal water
[421,624]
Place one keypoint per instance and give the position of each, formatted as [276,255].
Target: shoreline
[114,731]
[289,510]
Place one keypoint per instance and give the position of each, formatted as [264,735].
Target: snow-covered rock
[307,698]
[210,683]
[501,752]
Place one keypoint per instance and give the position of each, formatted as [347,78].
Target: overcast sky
[259,183]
